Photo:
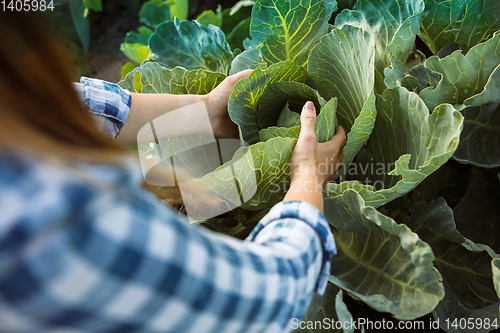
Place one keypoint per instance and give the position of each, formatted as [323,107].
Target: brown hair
[39,109]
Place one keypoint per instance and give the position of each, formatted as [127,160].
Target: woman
[84,248]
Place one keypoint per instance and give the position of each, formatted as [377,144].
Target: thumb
[308,121]
[232,79]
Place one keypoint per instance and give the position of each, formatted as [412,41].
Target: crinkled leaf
[268,161]
[244,100]
[240,32]
[327,121]
[288,29]
[464,266]
[278,94]
[179,9]
[127,68]
[202,157]
[425,77]
[462,76]
[342,65]
[478,214]
[191,45]
[325,124]
[281,132]
[201,82]
[210,17]
[480,140]
[279,17]
[394,24]
[491,91]
[152,78]
[360,132]
[135,46]
[139,38]
[470,81]
[396,74]
[155,12]
[251,44]
[411,83]
[448,50]
[155,79]
[495,267]
[406,145]
[288,118]
[343,313]
[381,262]
[393,74]
[466,22]
[248,59]
[479,143]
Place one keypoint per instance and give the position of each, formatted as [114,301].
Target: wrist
[212,115]
[308,173]
[306,188]
[307,182]
[192,99]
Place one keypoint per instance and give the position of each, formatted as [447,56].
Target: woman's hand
[312,158]
[216,103]
[313,163]
[147,107]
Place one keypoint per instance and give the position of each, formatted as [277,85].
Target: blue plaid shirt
[87,249]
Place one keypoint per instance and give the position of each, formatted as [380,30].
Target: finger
[308,121]
[238,76]
[339,139]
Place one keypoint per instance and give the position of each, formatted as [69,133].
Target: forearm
[147,107]
[308,188]
[121,114]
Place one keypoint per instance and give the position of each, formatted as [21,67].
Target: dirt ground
[108,30]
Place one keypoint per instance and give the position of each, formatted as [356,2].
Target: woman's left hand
[216,103]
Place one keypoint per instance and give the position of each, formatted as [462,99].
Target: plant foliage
[406,117]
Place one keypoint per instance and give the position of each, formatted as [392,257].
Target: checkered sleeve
[304,212]
[108,102]
[110,258]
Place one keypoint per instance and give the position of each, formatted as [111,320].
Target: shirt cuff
[109,101]
[312,216]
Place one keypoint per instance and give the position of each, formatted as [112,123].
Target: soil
[108,30]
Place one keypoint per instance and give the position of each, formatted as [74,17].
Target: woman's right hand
[313,163]
[312,158]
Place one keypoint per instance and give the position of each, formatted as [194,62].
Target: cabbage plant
[406,115]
